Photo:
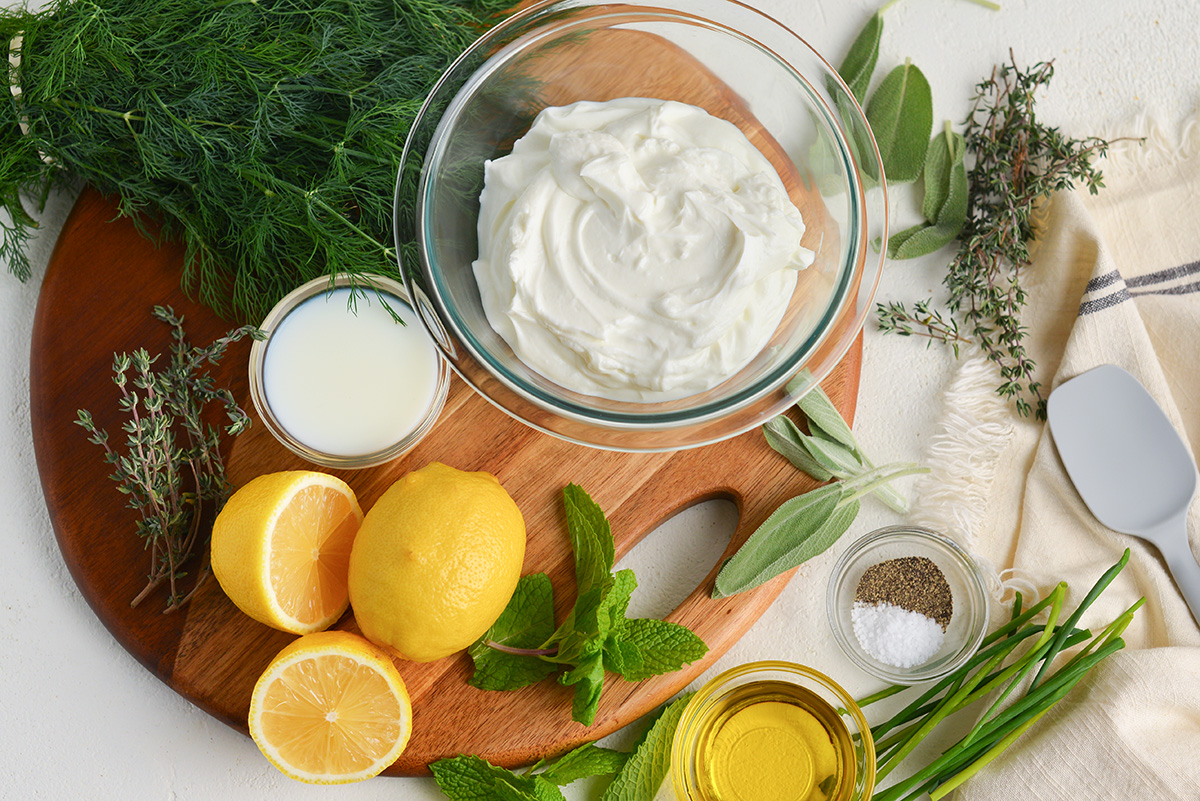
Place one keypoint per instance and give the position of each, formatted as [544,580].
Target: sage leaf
[946,178]
[647,766]
[794,521]
[835,458]
[821,412]
[859,64]
[824,173]
[945,204]
[921,240]
[786,438]
[900,112]
[795,533]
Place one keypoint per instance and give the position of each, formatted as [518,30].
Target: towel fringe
[1150,145]
[962,457]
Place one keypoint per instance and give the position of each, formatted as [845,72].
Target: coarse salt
[896,636]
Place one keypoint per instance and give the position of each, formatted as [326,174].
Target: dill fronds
[264,134]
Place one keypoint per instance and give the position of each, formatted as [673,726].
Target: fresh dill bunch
[266,135]
[170,466]
[1017,162]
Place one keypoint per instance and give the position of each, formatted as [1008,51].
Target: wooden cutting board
[101,284]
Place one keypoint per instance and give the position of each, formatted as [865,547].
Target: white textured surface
[83,719]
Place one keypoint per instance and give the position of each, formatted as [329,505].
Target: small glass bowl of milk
[339,381]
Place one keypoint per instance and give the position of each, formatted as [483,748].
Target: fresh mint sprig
[638,774]
[523,647]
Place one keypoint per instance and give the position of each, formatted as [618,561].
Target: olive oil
[774,741]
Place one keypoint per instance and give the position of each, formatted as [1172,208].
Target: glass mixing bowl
[730,60]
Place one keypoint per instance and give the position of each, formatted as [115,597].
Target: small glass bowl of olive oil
[772,731]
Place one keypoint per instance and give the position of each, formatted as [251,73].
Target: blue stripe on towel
[1089,306]
[1141,285]
[1101,281]
[1163,275]
[1182,289]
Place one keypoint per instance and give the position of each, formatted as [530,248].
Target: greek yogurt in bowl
[636,249]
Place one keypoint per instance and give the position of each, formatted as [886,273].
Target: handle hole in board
[674,558]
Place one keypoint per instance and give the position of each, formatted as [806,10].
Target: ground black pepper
[914,583]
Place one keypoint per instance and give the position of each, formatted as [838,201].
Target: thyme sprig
[922,321]
[171,467]
[1018,161]
[265,136]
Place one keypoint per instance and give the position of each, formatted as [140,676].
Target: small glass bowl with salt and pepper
[907,604]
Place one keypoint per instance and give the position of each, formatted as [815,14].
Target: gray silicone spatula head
[1129,464]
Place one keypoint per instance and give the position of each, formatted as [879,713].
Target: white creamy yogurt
[636,249]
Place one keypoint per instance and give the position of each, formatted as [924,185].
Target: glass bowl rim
[632,420]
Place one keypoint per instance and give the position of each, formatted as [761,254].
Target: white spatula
[1129,465]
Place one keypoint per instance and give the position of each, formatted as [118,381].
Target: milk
[349,382]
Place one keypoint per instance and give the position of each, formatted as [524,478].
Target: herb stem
[877,478]
[508,649]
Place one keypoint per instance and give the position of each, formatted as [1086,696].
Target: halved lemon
[281,549]
[331,708]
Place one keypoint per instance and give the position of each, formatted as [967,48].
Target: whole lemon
[435,562]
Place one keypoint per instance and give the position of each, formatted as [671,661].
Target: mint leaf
[649,647]
[588,678]
[616,602]
[527,623]
[595,635]
[544,790]
[772,548]
[859,64]
[576,636]
[900,113]
[469,778]
[587,760]
[591,539]
[646,768]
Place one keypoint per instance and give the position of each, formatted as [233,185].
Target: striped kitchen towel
[1115,280]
